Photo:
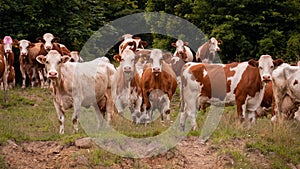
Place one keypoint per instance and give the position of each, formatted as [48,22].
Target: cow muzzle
[156,71]
[52,75]
[266,78]
[127,69]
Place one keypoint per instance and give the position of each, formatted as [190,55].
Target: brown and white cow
[132,43]
[7,61]
[158,75]
[207,52]
[128,93]
[79,84]
[52,43]
[183,51]
[241,83]
[28,63]
[75,57]
[3,71]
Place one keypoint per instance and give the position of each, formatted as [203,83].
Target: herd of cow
[146,80]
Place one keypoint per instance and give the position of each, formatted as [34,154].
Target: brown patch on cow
[229,73]
[250,76]
[295,82]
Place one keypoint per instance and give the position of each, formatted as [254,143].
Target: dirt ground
[189,153]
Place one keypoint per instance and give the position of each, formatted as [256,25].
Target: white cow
[284,83]
[128,93]
[79,84]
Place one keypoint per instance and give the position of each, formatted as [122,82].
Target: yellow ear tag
[140,59]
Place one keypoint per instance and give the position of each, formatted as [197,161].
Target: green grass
[29,115]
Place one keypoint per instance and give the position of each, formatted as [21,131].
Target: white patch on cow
[204,73]
[235,80]
[156,57]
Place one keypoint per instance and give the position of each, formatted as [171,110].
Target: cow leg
[41,77]
[23,76]
[61,117]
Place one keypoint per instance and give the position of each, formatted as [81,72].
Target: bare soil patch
[189,153]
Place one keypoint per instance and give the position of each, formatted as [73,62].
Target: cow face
[156,59]
[213,46]
[131,43]
[23,46]
[48,39]
[53,62]
[128,61]
[7,41]
[266,66]
[180,46]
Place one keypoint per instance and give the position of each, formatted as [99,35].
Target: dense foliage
[247,28]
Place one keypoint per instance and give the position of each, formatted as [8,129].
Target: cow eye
[59,62]
[272,67]
[260,67]
[47,62]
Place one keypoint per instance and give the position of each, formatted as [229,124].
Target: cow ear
[40,39]
[65,58]
[278,62]
[16,43]
[56,39]
[173,44]
[253,63]
[186,43]
[41,59]
[220,42]
[117,58]
[31,45]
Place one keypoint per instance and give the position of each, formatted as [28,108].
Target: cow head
[266,65]
[53,62]
[156,58]
[131,43]
[7,44]
[48,39]
[23,45]
[213,47]
[180,48]
[127,61]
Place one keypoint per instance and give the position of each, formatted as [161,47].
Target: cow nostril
[52,73]
[266,77]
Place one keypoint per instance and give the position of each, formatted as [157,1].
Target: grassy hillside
[30,116]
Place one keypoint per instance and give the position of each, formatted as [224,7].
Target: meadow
[29,116]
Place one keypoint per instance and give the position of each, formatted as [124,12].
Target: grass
[29,116]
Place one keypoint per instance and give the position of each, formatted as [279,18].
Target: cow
[7,61]
[130,42]
[207,52]
[128,93]
[183,51]
[3,71]
[282,77]
[75,57]
[52,43]
[242,84]
[158,75]
[289,89]
[79,84]
[159,101]
[28,63]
